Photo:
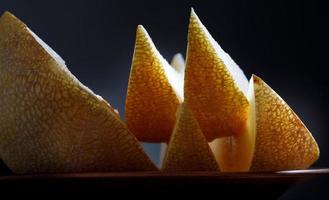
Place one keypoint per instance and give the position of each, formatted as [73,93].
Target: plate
[255,185]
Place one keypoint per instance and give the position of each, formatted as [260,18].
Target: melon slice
[235,153]
[155,91]
[282,142]
[215,88]
[49,121]
[188,149]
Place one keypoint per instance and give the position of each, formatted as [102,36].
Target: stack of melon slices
[206,113]
[247,125]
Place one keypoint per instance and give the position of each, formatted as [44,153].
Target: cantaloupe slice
[188,149]
[215,88]
[49,121]
[282,142]
[155,90]
[235,153]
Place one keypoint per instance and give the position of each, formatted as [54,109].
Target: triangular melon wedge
[282,142]
[235,153]
[215,87]
[188,149]
[49,121]
[155,90]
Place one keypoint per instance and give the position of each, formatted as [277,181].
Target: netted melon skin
[283,142]
[188,149]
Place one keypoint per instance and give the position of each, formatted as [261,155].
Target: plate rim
[167,175]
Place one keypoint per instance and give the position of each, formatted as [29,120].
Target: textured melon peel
[215,88]
[49,121]
[155,90]
[235,153]
[283,142]
[188,149]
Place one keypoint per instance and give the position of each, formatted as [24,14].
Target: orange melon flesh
[215,88]
[235,153]
[49,121]
[155,90]
[282,142]
[188,149]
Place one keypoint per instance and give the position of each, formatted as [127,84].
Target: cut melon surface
[235,153]
[49,121]
[155,90]
[188,149]
[215,88]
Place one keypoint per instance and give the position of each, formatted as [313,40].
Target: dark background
[284,42]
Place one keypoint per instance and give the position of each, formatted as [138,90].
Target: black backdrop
[284,42]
